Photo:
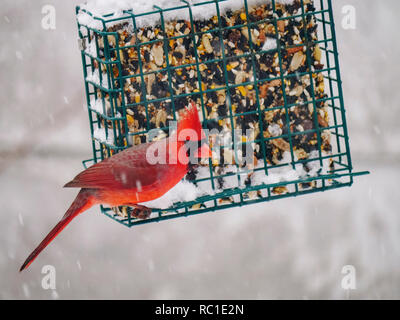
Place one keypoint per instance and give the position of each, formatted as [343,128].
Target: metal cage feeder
[117,80]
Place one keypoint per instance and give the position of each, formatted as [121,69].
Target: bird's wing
[125,170]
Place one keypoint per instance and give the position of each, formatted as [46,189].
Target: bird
[133,176]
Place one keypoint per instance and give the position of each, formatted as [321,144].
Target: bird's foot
[139,211]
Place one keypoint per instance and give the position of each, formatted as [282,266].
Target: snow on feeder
[264,75]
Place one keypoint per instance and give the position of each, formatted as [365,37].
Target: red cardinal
[131,176]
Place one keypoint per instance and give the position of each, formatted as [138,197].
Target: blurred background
[293,248]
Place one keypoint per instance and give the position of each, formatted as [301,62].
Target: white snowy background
[293,248]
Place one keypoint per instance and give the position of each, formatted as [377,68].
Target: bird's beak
[203,152]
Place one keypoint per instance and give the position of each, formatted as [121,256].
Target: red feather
[124,170]
[128,178]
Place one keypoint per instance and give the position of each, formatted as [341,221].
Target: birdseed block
[265,78]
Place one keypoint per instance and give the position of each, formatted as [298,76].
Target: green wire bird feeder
[264,74]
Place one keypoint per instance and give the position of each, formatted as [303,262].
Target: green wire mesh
[114,119]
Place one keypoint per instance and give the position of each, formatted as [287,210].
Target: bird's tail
[83,201]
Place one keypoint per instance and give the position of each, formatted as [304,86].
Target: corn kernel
[130,119]
[137,98]
[242,90]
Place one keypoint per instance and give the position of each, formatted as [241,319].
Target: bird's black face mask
[192,147]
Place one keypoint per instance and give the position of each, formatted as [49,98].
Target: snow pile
[95,78]
[100,135]
[97,105]
[91,48]
[280,174]
[182,192]
[186,191]
[115,9]
[205,186]
[315,166]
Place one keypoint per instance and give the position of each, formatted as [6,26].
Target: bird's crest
[189,119]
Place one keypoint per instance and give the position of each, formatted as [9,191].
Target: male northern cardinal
[130,177]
